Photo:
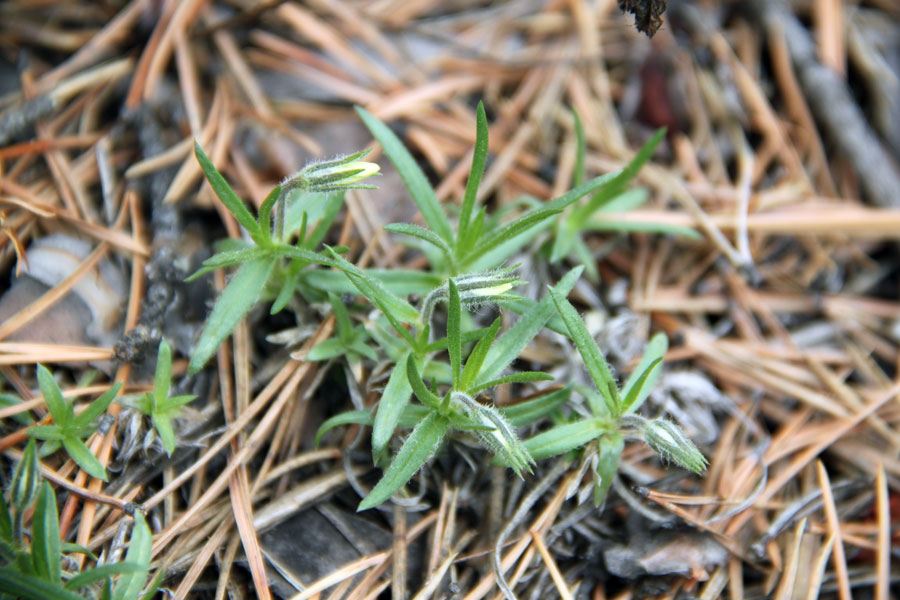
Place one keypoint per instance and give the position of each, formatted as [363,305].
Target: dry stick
[527,502]
[818,569]
[225,566]
[789,572]
[398,572]
[238,482]
[834,106]
[883,553]
[834,524]
[798,109]
[202,559]
[555,573]
[253,445]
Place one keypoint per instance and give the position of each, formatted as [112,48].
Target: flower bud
[342,173]
[26,480]
[499,436]
[667,440]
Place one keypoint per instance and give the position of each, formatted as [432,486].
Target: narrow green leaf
[57,406]
[358,344]
[478,354]
[228,259]
[580,150]
[326,349]
[91,576]
[616,184]
[172,403]
[563,438]
[645,375]
[352,417]
[454,348]
[20,585]
[509,231]
[6,526]
[586,257]
[609,452]
[163,425]
[415,180]
[97,407]
[425,396]
[525,413]
[26,480]
[46,432]
[375,292]
[398,281]
[45,544]
[563,240]
[467,337]
[423,234]
[70,548]
[288,287]
[342,319]
[84,458]
[473,233]
[609,223]
[129,586]
[323,219]
[590,353]
[393,400]
[422,444]
[234,204]
[265,213]
[476,172]
[236,300]
[522,377]
[511,343]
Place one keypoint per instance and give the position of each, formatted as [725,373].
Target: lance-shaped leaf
[609,452]
[507,349]
[564,438]
[234,204]
[395,309]
[45,544]
[425,396]
[422,444]
[423,234]
[393,400]
[644,377]
[525,413]
[236,300]
[416,182]
[454,348]
[129,586]
[590,353]
[521,377]
[464,240]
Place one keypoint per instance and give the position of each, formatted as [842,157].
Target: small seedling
[68,429]
[157,404]
[613,411]
[33,569]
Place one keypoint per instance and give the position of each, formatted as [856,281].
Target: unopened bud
[667,440]
[343,173]
[500,438]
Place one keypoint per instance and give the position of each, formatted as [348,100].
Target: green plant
[34,569]
[68,429]
[613,411]
[611,198]
[270,258]
[157,404]
[466,271]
